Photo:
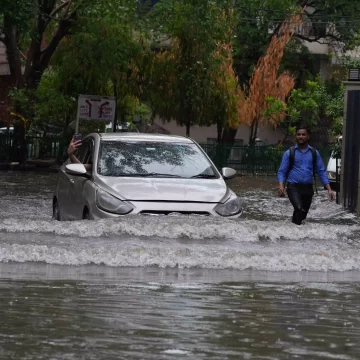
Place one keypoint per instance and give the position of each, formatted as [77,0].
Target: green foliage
[350,62]
[307,105]
[53,106]
[185,80]
[107,52]
[19,12]
[331,103]
[101,57]
[251,35]
[336,149]
[22,99]
[303,105]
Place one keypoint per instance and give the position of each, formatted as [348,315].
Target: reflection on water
[177,316]
[180,287]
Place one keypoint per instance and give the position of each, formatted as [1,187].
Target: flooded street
[143,287]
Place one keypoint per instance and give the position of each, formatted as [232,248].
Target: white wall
[201,134]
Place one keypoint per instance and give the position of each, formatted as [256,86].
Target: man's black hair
[303,127]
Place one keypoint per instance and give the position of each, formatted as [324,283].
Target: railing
[43,147]
[256,160]
[37,147]
[245,159]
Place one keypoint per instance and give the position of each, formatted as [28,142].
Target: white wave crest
[128,254]
[186,227]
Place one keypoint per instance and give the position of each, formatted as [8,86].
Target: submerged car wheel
[86,214]
[56,211]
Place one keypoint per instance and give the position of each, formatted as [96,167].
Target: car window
[85,152]
[157,159]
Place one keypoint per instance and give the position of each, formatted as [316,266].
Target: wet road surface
[177,287]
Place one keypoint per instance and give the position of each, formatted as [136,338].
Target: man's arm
[282,172]
[74,144]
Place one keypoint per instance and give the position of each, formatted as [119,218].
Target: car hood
[160,189]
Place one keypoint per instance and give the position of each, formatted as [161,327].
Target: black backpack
[292,159]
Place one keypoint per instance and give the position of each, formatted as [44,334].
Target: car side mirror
[75,169]
[228,173]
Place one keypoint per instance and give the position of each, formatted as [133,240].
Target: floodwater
[177,287]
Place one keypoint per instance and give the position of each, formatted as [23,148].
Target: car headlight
[331,175]
[229,208]
[110,203]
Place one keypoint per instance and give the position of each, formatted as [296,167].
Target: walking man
[298,167]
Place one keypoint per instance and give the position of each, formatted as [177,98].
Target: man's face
[302,136]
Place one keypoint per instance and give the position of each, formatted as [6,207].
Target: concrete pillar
[349,86]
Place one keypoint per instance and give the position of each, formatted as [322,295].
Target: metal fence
[37,147]
[256,160]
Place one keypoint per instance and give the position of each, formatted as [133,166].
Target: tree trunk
[188,129]
[225,146]
[228,136]
[10,41]
[253,133]
[37,62]
[219,132]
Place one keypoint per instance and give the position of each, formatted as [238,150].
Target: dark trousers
[300,196]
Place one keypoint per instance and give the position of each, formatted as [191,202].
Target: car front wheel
[56,211]
[86,214]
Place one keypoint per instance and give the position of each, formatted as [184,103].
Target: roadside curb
[31,165]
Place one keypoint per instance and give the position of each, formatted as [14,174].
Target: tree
[266,80]
[254,19]
[33,31]
[100,36]
[333,22]
[102,57]
[42,24]
[185,82]
[301,106]
[318,100]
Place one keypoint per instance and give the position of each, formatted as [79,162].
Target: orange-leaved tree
[267,82]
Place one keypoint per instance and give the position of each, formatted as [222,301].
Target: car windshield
[153,159]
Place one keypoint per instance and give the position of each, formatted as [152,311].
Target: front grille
[174,213]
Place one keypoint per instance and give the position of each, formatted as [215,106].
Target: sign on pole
[99,108]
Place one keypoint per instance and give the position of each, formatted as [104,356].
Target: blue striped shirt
[302,170]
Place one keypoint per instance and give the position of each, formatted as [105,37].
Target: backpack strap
[313,150]
[291,160]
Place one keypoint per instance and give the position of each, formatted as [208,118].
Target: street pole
[77,117]
[116,107]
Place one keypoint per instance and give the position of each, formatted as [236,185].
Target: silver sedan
[129,173]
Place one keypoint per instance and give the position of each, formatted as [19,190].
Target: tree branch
[72,15]
[318,38]
[10,41]
[50,49]
[56,10]
[34,47]
[67,9]
[22,54]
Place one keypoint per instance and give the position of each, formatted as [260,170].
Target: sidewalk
[32,165]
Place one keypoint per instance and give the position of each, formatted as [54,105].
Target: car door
[75,202]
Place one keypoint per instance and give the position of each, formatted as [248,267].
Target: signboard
[101,108]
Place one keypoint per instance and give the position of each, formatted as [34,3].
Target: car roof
[129,136]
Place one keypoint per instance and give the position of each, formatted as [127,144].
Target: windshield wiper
[204,176]
[154,174]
